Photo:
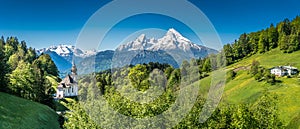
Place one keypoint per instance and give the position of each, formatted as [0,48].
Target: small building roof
[285,68]
[67,81]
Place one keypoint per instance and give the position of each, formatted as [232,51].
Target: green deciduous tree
[78,118]
[21,80]
[265,112]
[207,66]
[138,75]
[168,72]
[174,79]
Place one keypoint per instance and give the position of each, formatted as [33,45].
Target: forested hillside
[285,36]
[253,98]
[24,74]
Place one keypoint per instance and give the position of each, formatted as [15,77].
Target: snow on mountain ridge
[172,40]
[67,50]
[175,34]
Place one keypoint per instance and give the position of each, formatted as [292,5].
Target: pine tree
[273,37]
[244,44]
[293,43]
[30,55]
[42,86]
[3,67]
[228,54]
[283,42]
[263,44]
[284,27]
[295,26]
[253,42]
[47,65]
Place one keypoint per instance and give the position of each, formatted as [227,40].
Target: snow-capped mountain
[173,40]
[172,49]
[67,50]
[63,55]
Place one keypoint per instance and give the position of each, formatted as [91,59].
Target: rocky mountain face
[172,41]
[172,49]
[63,55]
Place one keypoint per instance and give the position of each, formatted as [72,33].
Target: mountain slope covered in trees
[253,98]
[285,36]
[25,74]
[244,88]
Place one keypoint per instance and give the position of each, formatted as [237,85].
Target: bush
[230,75]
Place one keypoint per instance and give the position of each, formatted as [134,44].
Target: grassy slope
[17,113]
[244,89]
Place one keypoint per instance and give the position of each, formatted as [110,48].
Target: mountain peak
[141,38]
[173,40]
[172,31]
[67,51]
[175,35]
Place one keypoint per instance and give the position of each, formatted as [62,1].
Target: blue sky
[42,23]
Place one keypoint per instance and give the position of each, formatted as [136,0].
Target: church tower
[74,71]
[74,76]
[68,87]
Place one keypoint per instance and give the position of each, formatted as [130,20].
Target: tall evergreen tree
[47,65]
[293,43]
[263,44]
[3,67]
[30,55]
[42,86]
[283,42]
[228,54]
[237,50]
[244,44]
[295,26]
[273,37]
[284,27]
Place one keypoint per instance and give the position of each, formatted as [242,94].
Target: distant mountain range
[63,55]
[172,49]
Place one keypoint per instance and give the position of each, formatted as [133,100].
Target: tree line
[25,74]
[285,36]
[262,114]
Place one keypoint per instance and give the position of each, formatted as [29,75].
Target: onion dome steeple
[74,68]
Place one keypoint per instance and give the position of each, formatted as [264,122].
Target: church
[68,87]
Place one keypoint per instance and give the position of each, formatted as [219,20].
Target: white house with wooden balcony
[284,71]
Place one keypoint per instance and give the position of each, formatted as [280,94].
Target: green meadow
[245,89]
